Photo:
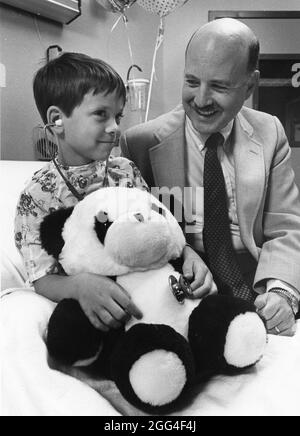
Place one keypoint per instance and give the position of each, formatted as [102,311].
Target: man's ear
[253,82]
[51,231]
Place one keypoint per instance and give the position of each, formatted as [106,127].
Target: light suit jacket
[267,197]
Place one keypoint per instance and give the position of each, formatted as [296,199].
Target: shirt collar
[201,139]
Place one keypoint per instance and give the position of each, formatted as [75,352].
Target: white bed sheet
[30,387]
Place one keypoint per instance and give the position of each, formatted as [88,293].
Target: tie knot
[214,140]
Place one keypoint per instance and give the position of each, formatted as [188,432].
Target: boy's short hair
[64,82]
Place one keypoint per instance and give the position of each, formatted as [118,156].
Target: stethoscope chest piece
[181,288]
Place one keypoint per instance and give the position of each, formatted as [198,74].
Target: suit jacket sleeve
[124,147]
[280,254]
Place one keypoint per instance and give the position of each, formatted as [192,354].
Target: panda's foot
[226,333]
[245,341]
[152,365]
[158,377]
[71,338]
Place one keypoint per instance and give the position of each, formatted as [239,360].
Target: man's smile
[206,113]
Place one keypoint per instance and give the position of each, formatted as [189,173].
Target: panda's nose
[139,217]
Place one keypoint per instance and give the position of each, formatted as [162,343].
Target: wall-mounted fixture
[63,11]
[137,91]
[53,51]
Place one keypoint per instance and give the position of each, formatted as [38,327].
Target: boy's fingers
[99,325]
[124,300]
[203,277]
[118,312]
[107,319]
[199,274]
[204,289]
[103,327]
[187,270]
[124,291]
[133,310]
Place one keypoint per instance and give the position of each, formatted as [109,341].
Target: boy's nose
[112,128]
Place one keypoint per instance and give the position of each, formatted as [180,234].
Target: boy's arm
[104,302]
[29,215]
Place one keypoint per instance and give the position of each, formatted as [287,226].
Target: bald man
[262,198]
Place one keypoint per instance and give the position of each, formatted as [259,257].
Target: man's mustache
[210,108]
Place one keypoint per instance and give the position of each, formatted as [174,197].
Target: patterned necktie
[216,232]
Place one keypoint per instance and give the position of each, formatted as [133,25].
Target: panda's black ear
[51,231]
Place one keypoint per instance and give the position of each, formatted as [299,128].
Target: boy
[81,99]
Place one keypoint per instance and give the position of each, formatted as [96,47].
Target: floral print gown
[47,191]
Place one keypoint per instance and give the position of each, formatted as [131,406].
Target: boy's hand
[197,273]
[105,303]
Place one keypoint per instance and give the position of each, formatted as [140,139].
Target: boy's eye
[100,115]
[119,118]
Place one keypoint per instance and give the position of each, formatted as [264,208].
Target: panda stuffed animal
[126,233]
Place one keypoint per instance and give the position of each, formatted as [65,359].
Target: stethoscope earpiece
[58,123]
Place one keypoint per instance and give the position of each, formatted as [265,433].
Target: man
[261,195]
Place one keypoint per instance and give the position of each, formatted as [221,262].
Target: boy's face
[89,132]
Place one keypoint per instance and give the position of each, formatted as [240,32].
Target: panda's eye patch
[102,224]
[158,209]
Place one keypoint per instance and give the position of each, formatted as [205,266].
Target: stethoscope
[181,288]
[47,127]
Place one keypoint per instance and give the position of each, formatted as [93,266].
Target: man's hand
[274,308]
[197,273]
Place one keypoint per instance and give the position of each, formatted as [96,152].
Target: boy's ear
[51,231]
[54,117]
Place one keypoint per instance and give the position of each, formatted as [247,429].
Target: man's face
[216,84]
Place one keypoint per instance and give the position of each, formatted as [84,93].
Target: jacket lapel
[168,165]
[168,156]
[250,182]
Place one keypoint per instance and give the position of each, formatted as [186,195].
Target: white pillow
[13,175]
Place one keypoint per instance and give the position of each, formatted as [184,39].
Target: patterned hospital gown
[47,191]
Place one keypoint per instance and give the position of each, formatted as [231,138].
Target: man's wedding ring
[277,330]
